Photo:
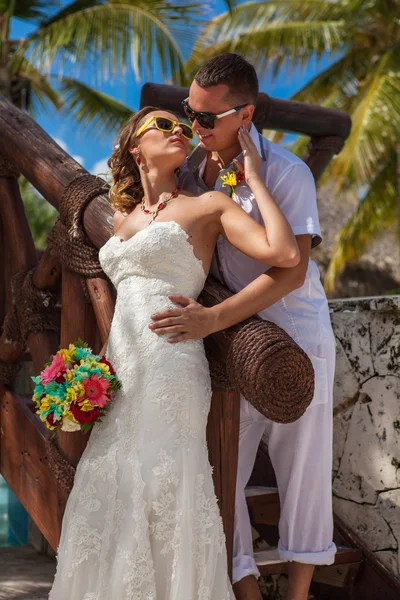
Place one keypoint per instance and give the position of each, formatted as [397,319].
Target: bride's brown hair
[126,190]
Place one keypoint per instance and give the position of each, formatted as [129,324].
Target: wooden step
[264,505]
[347,561]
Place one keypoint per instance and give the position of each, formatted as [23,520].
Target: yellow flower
[71,395]
[229,179]
[78,387]
[70,375]
[45,402]
[104,369]
[86,406]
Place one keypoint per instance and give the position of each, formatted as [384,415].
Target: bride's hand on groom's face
[191,321]
[252,159]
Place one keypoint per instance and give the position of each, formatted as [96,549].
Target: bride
[142,521]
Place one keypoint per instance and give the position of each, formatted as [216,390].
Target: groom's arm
[194,321]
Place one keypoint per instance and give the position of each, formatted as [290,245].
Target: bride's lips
[178,140]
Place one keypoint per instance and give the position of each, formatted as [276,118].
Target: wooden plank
[24,465]
[339,576]
[269,562]
[264,505]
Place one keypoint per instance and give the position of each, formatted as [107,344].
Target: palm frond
[343,75]
[375,213]
[29,10]
[94,111]
[271,44]
[40,86]
[110,36]
[376,121]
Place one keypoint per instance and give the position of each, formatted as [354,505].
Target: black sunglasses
[207,120]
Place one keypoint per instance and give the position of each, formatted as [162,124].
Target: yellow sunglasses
[166,124]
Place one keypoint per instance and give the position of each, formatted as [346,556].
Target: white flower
[70,425]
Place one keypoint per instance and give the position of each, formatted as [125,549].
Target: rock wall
[366,476]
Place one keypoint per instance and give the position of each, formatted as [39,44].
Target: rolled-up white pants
[301,455]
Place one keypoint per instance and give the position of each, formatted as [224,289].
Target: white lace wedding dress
[142,521]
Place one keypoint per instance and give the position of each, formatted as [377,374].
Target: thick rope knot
[67,239]
[8,372]
[7,169]
[271,371]
[332,143]
[32,311]
[62,470]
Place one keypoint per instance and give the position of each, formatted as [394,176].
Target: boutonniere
[232,179]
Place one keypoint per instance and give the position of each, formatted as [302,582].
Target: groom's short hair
[234,71]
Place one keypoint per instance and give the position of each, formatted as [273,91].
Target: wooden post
[77,321]
[102,298]
[24,465]
[2,276]
[222,440]
[23,257]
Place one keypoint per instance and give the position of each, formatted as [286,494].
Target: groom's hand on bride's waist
[189,321]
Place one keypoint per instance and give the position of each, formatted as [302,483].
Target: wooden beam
[47,275]
[270,113]
[23,257]
[77,321]
[25,144]
[24,465]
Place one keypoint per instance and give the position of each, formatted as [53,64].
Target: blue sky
[91,152]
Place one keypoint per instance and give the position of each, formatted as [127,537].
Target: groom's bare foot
[247,589]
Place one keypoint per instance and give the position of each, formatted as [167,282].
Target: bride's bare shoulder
[118,219]
[215,198]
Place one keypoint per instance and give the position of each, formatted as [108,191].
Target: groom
[222,97]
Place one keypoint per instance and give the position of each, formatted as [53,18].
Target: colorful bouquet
[73,390]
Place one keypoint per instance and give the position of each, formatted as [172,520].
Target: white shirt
[303,313]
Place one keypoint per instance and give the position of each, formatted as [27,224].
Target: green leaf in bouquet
[80,343]
[115,385]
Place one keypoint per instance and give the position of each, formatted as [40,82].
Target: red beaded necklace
[160,206]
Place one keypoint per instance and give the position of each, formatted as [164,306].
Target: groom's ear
[247,114]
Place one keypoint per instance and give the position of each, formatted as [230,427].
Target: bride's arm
[275,243]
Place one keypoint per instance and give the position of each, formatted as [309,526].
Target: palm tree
[362,40]
[106,39]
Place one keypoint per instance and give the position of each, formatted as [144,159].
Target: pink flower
[55,369]
[95,390]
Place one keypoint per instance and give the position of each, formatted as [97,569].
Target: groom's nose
[195,126]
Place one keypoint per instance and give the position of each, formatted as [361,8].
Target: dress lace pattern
[142,521]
